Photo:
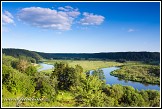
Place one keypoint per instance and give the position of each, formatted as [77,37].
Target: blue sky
[81,27]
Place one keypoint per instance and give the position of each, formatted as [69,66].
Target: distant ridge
[130,56]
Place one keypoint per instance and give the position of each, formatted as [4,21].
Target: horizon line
[79,52]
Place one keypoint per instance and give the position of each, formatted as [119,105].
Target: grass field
[87,65]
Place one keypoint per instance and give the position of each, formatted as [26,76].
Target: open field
[87,65]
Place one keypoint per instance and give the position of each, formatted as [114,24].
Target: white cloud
[7,18]
[57,19]
[91,19]
[131,30]
[73,14]
[67,8]
[8,14]
[47,18]
[70,11]
[62,9]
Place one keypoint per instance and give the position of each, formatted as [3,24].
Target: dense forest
[126,56]
[22,52]
[21,79]
[129,56]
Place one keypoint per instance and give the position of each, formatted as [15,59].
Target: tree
[22,65]
[154,98]
[65,75]
[46,87]
[16,82]
[79,72]
[99,73]
[89,92]
[131,97]
[31,70]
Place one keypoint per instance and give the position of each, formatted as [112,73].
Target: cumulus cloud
[70,11]
[91,19]
[7,18]
[131,30]
[61,18]
[48,18]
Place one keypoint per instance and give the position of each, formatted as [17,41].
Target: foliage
[21,79]
[16,82]
[133,56]
[140,73]
[8,60]
[66,76]
[126,96]
[99,73]
[31,70]
[30,55]
[45,87]
[22,65]
[89,93]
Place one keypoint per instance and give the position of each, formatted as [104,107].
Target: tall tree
[65,75]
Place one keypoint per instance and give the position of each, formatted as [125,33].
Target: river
[45,66]
[114,80]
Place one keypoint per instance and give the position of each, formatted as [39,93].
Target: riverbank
[140,73]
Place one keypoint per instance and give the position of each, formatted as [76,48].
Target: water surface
[45,67]
[114,80]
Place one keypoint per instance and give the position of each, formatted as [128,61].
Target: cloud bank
[60,19]
[47,18]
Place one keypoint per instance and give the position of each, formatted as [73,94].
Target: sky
[81,27]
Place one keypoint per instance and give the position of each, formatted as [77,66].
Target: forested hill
[132,56]
[21,52]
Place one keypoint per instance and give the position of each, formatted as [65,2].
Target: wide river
[114,80]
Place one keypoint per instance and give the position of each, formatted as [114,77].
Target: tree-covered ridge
[21,52]
[128,56]
[67,86]
[141,73]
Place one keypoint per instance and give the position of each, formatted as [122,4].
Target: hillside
[129,56]
[21,52]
